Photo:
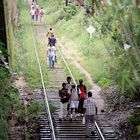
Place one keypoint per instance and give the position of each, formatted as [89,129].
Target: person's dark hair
[89,94]
[50,28]
[68,78]
[63,84]
[41,7]
[81,81]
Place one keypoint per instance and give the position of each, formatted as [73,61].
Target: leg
[53,59]
[92,123]
[87,121]
[79,106]
[61,110]
[71,113]
[65,109]
[50,61]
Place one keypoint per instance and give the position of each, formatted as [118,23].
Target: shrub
[104,82]
[69,11]
[133,121]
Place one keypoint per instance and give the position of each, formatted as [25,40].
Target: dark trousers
[89,119]
[80,107]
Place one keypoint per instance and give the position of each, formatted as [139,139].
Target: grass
[76,40]
[24,55]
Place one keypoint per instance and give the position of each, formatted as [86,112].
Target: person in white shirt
[90,114]
[51,52]
[32,5]
[74,101]
[32,13]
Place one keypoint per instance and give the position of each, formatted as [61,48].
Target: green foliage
[4,130]
[104,82]
[52,107]
[34,110]
[3,50]
[69,11]
[133,121]
[138,129]
[30,112]
[9,101]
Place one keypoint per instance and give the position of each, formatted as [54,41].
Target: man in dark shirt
[52,40]
[64,99]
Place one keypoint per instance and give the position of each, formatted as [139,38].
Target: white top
[32,11]
[74,95]
[51,51]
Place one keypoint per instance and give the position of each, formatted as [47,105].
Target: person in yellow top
[50,32]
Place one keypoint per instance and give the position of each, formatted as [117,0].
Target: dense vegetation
[9,98]
[117,26]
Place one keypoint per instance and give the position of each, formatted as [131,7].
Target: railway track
[52,129]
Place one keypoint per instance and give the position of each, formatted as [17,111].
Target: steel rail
[42,81]
[76,84]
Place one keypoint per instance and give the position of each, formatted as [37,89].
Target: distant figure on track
[74,100]
[90,114]
[69,86]
[52,40]
[41,13]
[32,13]
[82,91]
[32,5]
[64,98]
[49,33]
[51,53]
[36,12]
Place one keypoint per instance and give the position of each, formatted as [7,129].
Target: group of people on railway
[36,12]
[75,101]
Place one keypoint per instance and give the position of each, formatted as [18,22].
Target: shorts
[74,104]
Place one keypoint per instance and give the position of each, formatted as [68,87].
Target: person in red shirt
[36,13]
[82,91]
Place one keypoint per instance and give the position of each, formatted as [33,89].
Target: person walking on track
[32,13]
[41,13]
[36,12]
[90,114]
[52,40]
[64,98]
[69,86]
[49,33]
[32,5]
[51,52]
[82,91]
[74,100]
